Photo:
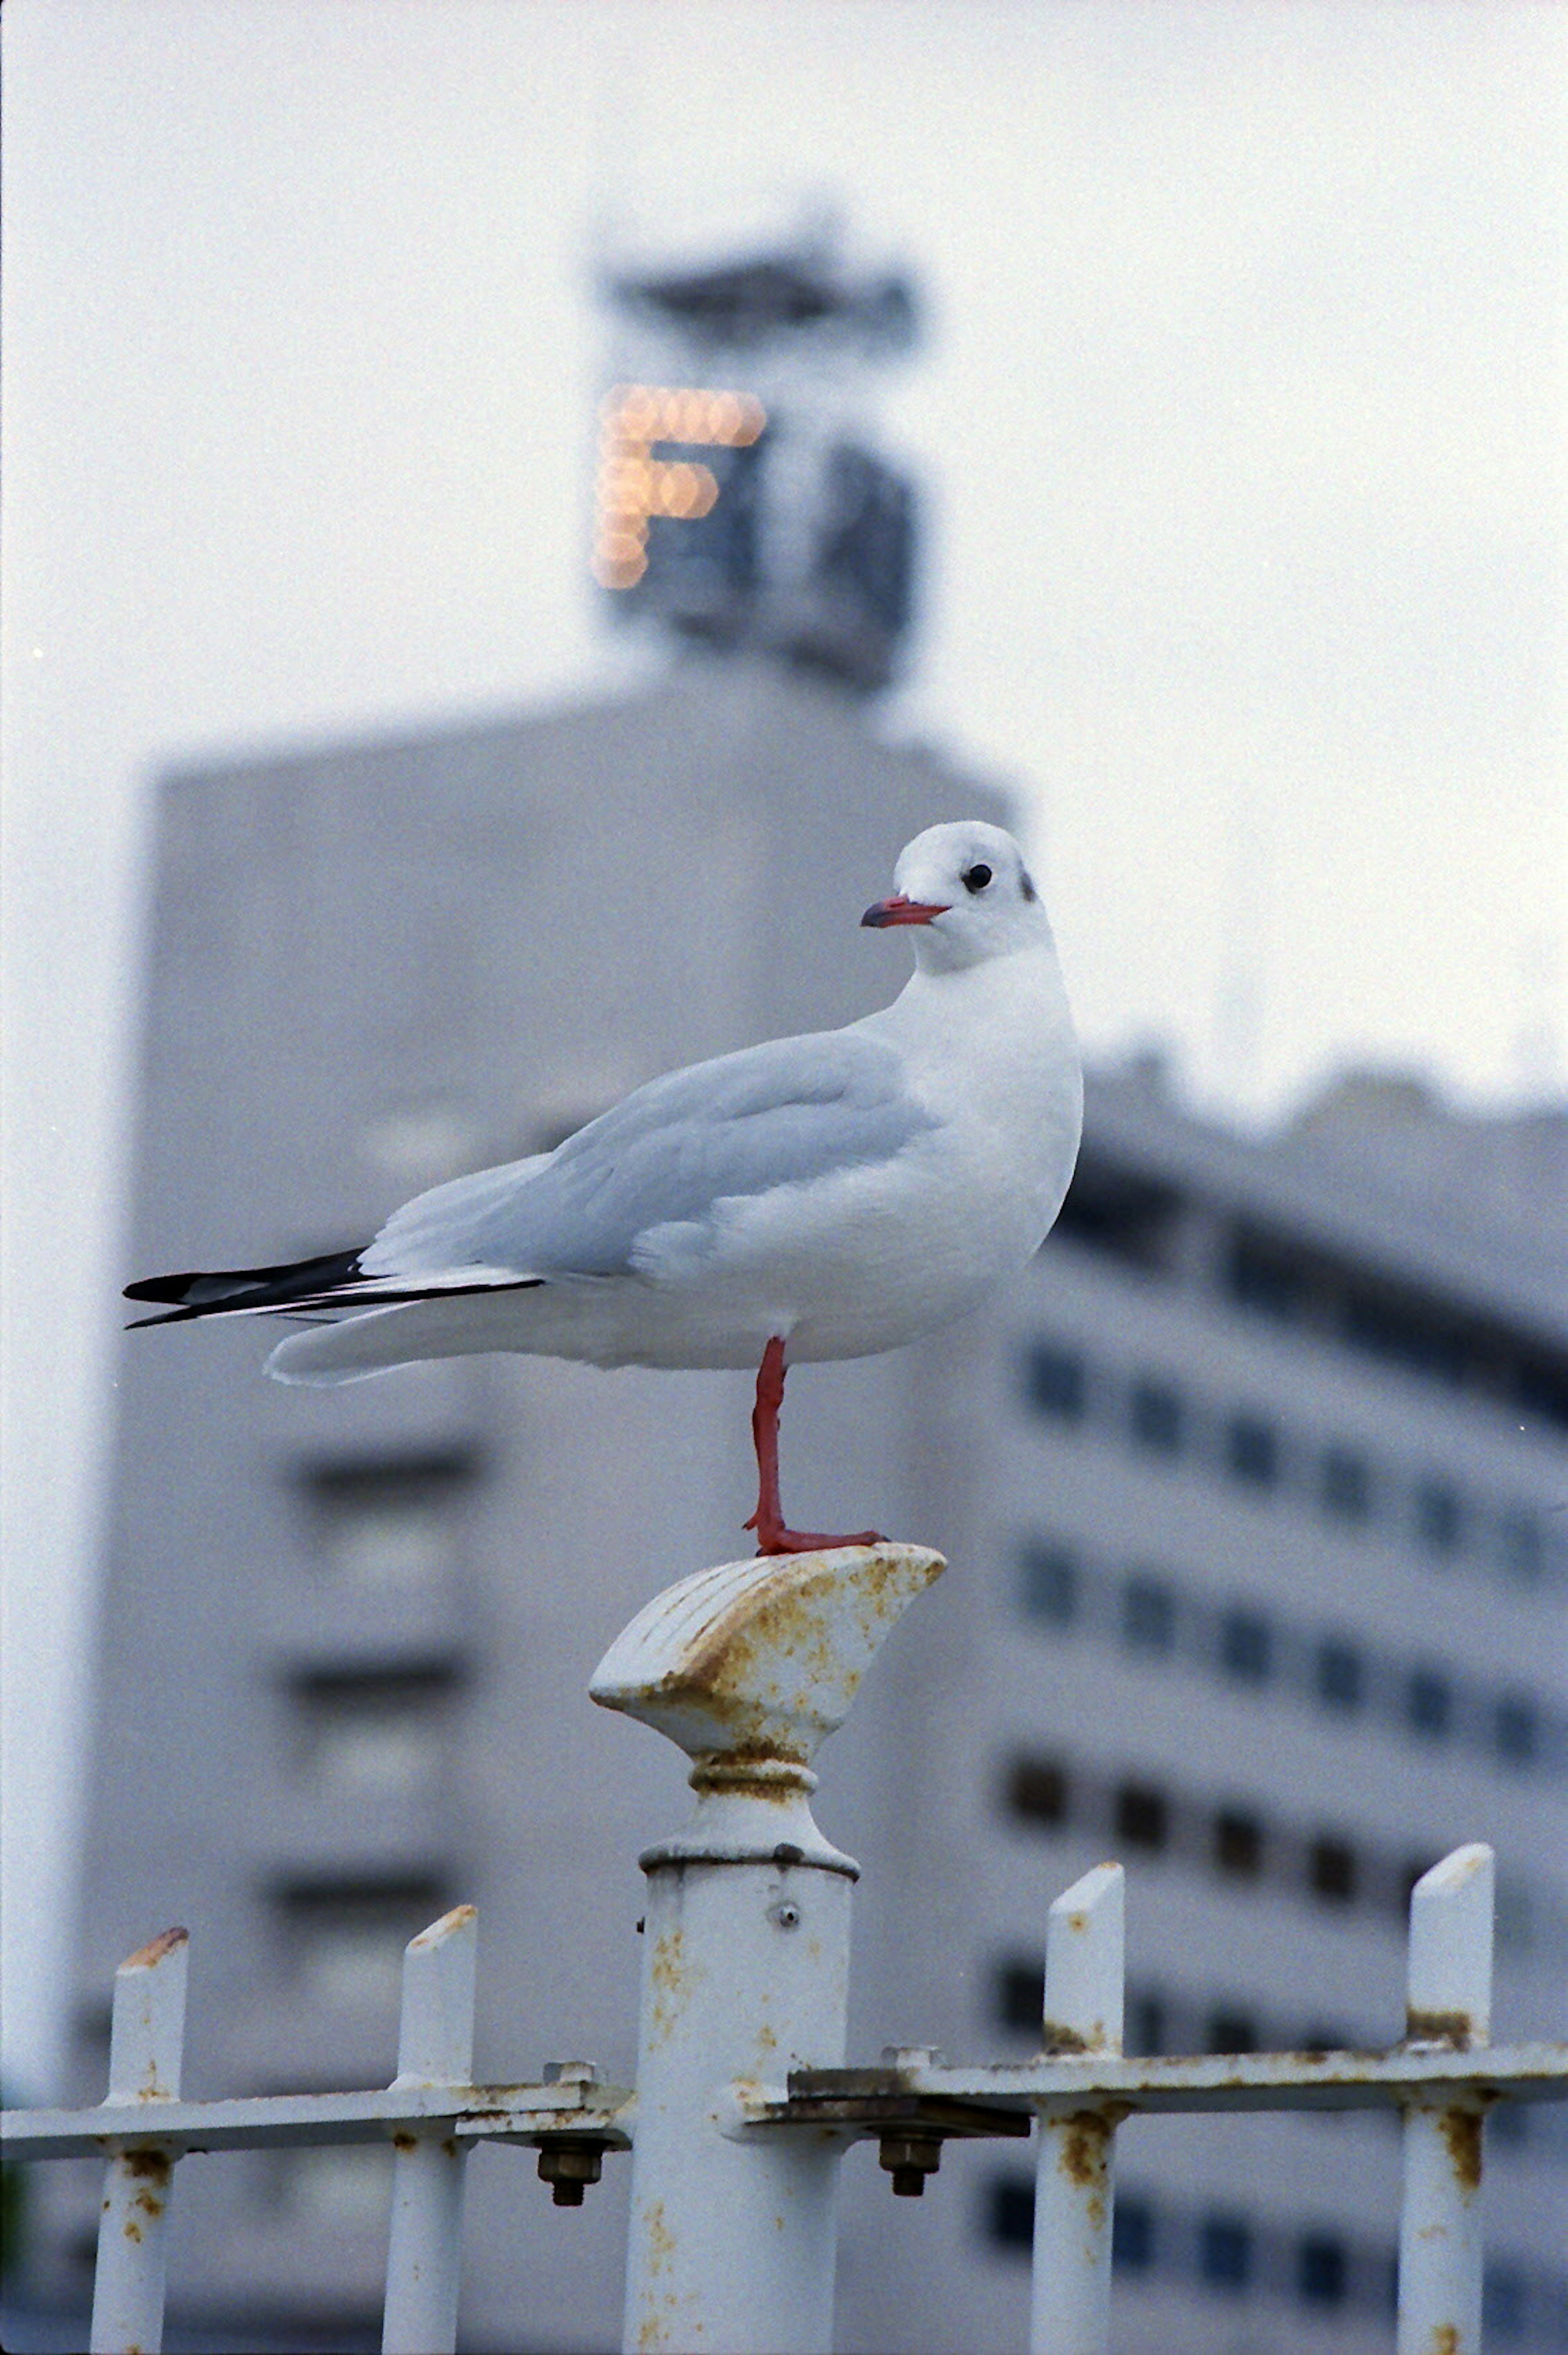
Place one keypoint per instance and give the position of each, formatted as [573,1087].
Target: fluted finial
[748,1667]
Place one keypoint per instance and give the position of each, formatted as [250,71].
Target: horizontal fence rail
[1442,2082]
[722,2142]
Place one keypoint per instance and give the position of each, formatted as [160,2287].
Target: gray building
[1256,1493]
[1252,1492]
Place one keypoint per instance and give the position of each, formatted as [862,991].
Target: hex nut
[568,2168]
[908,2158]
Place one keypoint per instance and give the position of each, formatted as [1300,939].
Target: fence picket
[1448,2002]
[435,2047]
[1074,2185]
[147,2038]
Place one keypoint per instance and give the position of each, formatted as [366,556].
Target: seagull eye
[974,879]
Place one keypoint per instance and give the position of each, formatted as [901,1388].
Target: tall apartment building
[1257,1497]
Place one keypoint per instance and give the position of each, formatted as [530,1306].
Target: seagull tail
[438,1326]
[343,1352]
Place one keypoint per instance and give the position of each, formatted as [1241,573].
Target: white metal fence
[743,2107]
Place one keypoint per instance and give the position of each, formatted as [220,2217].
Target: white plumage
[829,1196]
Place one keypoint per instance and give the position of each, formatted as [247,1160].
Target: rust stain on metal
[1454,2027]
[661,2240]
[736,1770]
[1446,2339]
[672,1980]
[155,1949]
[149,2203]
[1461,2131]
[774,1660]
[149,2166]
[1085,2139]
[1061,2039]
[456,1919]
[405,2142]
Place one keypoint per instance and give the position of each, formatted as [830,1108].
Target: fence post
[745,1969]
[435,2047]
[146,2036]
[1071,2300]
[1449,2001]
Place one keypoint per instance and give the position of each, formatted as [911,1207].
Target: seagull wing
[788,1112]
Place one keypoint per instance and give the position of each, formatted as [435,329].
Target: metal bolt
[786,1913]
[908,2158]
[568,2168]
[913,2056]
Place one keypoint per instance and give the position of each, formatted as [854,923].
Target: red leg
[768,1520]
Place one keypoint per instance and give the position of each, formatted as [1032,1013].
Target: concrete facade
[1249,1494]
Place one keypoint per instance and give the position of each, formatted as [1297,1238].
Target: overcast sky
[1239,419]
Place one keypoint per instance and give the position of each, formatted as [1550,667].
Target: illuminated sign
[634,487]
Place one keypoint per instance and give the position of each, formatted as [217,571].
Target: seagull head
[967,888]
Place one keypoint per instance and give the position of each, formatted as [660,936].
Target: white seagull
[829,1196]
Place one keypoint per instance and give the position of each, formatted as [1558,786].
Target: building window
[1056,1381]
[377,1733]
[1540,1386]
[1232,2031]
[1010,2211]
[1245,1646]
[1020,1997]
[1132,2236]
[1119,1213]
[1252,1450]
[1148,1613]
[1142,1815]
[1225,2252]
[1156,1417]
[1050,1584]
[1037,1790]
[343,1940]
[389,1522]
[1337,1676]
[1503,2302]
[1347,1484]
[1429,1703]
[1439,1516]
[1515,1730]
[1331,1870]
[1321,2272]
[1145,2024]
[1238,1844]
[1265,1276]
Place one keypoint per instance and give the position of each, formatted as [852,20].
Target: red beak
[899,911]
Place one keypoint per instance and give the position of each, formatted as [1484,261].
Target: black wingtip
[159,1287]
[208,1293]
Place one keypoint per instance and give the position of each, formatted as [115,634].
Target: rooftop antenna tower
[741,499]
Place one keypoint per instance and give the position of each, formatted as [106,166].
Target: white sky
[1241,418]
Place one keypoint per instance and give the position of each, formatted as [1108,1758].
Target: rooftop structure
[741,497]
